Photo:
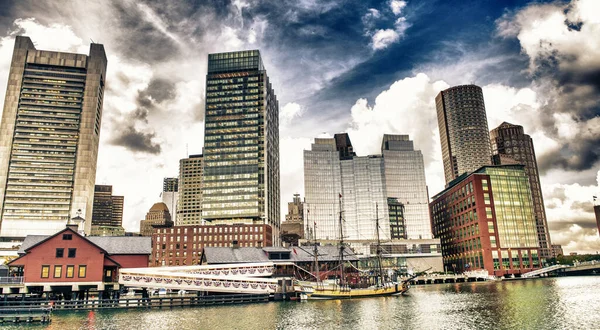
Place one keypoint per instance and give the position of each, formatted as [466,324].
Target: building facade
[183,245]
[597,213]
[510,142]
[49,138]
[75,263]
[108,209]
[241,143]
[396,215]
[292,229]
[336,180]
[189,199]
[157,216]
[405,181]
[463,126]
[170,194]
[485,220]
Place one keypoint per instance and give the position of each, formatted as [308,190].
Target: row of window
[70,271]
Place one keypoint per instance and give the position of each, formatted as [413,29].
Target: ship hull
[323,293]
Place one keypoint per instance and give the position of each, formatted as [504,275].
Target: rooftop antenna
[186,150]
[92,41]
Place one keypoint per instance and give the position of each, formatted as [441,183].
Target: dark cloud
[161,90]
[588,224]
[581,153]
[558,193]
[136,141]
[583,206]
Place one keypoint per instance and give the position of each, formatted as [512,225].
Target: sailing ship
[340,288]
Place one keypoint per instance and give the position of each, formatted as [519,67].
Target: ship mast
[341,245]
[316,253]
[378,244]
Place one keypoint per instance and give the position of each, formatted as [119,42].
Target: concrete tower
[49,138]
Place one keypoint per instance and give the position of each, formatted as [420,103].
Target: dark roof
[123,244]
[111,244]
[230,255]
[30,241]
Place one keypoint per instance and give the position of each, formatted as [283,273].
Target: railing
[12,280]
[138,302]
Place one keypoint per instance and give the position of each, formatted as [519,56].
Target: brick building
[182,245]
[70,262]
[485,220]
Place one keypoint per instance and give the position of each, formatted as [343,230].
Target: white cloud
[543,33]
[383,38]
[406,107]
[397,6]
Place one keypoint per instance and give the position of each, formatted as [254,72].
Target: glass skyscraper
[331,171]
[49,138]
[405,181]
[241,143]
[511,145]
[463,129]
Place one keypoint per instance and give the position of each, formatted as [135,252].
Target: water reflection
[558,303]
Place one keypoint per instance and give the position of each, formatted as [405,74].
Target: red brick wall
[131,260]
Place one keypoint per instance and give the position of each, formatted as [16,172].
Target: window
[67,237]
[72,252]
[45,271]
[70,271]
[57,271]
[60,252]
[82,270]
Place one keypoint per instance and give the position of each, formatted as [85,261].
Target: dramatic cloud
[136,141]
[406,107]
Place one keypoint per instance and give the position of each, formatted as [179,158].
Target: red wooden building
[70,263]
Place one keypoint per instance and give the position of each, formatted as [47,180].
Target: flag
[294,251]
[340,195]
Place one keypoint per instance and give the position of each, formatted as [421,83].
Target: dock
[132,303]
[28,314]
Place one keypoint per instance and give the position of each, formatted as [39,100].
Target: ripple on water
[555,303]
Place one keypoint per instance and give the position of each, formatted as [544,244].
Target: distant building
[108,209]
[485,220]
[158,216]
[292,229]
[49,138]
[107,231]
[73,264]
[510,144]
[189,200]
[183,245]
[397,224]
[557,250]
[335,177]
[390,187]
[241,143]
[170,194]
[463,126]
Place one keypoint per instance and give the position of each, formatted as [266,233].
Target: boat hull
[323,293]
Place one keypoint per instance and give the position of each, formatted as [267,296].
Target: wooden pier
[137,302]
[29,314]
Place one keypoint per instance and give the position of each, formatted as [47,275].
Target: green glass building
[241,143]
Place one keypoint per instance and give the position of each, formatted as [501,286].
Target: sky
[362,67]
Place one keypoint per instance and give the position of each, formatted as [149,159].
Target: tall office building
[510,144]
[170,194]
[189,200]
[49,138]
[108,209]
[405,182]
[463,130]
[332,170]
[241,143]
[485,220]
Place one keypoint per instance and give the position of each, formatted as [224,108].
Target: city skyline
[371,78]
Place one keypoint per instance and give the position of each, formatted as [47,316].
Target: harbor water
[550,303]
